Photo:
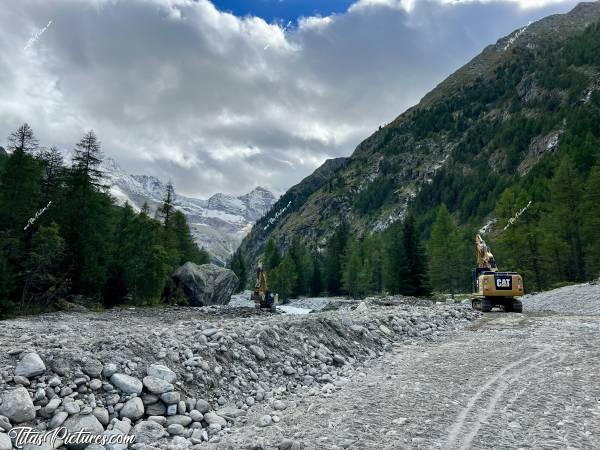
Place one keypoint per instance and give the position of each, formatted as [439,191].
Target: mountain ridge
[424,151]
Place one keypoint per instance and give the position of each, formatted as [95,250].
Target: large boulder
[31,365]
[16,405]
[206,284]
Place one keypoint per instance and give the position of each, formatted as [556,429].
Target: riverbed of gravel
[180,377]
[579,299]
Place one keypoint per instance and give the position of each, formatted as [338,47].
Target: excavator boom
[485,258]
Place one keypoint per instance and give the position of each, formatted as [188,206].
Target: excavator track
[482,304]
[486,305]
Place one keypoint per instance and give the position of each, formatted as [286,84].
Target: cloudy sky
[222,96]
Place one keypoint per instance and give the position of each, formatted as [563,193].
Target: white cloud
[181,90]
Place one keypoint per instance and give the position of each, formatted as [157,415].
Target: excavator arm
[485,258]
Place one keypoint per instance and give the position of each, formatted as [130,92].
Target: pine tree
[87,158]
[445,251]
[145,261]
[283,280]
[351,279]
[519,244]
[316,282]
[238,265]
[405,262]
[375,263]
[415,257]
[6,285]
[187,248]
[90,218]
[167,209]
[23,140]
[53,174]
[272,257]
[334,257]
[396,270]
[115,290]
[566,215]
[165,213]
[20,187]
[303,263]
[591,225]
[41,264]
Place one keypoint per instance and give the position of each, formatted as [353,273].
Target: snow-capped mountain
[218,224]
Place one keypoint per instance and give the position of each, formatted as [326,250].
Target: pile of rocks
[583,299]
[177,379]
[104,400]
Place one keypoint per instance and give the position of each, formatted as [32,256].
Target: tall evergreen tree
[21,178]
[238,265]
[284,278]
[53,174]
[165,213]
[272,257]
[352,280]
[87,158]
[415,257]
[316,282]
[146,263]
[188,249]
[24,140]
[90,215]
[565,219]
[396,270]
[303,263]
[591,225]
[445,252]
[41,266]
[334,256]
[519,244]
[167,209]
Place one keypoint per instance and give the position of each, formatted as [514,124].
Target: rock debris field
[380,374]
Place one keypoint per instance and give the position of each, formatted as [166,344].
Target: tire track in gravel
[503,380]
[461,420]
[509,381]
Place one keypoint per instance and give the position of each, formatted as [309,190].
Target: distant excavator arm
[485,258]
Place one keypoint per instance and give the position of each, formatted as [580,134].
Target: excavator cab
[492,287]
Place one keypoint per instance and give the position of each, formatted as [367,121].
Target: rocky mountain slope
[217,224]
[464,143]
[288,204]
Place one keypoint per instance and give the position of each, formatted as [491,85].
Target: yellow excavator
[494,288]
[262,297]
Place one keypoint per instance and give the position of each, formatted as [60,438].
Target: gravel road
[509,381]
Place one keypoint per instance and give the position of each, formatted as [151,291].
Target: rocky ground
[183,377]
[509,381]
[387,373]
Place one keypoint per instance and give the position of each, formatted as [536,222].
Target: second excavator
[492,287]
[262,297]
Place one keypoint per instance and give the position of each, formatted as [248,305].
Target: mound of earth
[580,299]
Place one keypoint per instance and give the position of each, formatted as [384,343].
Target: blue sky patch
[283,10]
